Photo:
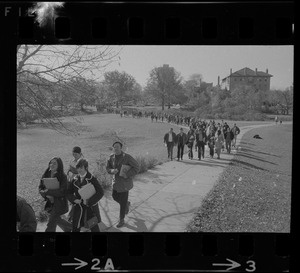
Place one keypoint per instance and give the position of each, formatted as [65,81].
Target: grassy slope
[254,193]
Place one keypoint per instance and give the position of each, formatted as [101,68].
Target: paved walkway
[165,199]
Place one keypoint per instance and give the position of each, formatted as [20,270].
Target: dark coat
[231,135]
[174,138]
[184,139]
[26,216]
[60,205]
[92,208]
[122,184]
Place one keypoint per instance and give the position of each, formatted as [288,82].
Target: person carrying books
[123,167]
[86,212]
[56,201]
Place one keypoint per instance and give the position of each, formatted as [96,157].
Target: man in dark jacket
[84,209]
[181,141]
[122,181]
[200,142]
[170,140]
[228,138]
[25,216]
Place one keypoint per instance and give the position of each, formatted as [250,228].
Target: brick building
[247,77]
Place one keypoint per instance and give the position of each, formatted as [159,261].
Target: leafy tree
[120,86]
[164,84]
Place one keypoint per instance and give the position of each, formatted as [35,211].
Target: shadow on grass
[255,158]
[259,152]
[248,165]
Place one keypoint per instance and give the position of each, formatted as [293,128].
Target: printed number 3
[251,265]
[94,267]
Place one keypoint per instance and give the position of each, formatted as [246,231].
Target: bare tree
[45,70]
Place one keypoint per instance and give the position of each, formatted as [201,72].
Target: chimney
[230,71]
[255,71]
[267,70]
[218,80]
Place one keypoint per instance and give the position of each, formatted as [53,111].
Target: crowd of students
[200,134]
[84,214]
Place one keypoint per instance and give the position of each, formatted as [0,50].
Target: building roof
[248,73]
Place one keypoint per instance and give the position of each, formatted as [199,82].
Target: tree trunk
[162,103]
[81,106]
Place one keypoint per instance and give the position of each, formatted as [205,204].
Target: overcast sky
[210,61]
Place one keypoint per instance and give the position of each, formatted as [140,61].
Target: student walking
[200,142]
[236,130]
[122,181]
[181,140]
[170,140]
[228,138]
[219,140]
[190,142]
[56,201]
[84,210]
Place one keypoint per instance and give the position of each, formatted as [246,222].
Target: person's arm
[134,166]
[62,189]
[98,195]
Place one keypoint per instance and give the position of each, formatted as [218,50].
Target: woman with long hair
[56,201]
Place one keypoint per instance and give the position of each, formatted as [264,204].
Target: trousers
[180,149]
[122,199]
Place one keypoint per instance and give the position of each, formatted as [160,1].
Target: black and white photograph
[154,138]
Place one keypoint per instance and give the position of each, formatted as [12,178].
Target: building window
[265,79]
[260,80]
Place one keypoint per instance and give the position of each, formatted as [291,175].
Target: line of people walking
[84,213]
[214,136]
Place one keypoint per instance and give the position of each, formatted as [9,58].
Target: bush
[146,163]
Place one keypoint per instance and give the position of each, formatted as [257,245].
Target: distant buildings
[246,77]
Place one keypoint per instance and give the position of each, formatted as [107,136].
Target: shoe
[218,157]
[177,159]
[121,223]
[127,207]
[181,159]
[199,158]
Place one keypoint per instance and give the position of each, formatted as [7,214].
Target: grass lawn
[254,193]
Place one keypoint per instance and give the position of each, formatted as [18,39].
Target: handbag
[91,222]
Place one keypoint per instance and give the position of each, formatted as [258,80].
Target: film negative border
[193,24]
[201,252]
[196,23]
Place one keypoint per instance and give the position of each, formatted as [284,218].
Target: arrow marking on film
[232,264]
[80,264]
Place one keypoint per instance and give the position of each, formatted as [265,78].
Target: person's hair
[60,168]
[119,143]
[219,132]
[82,163]
[77,150]
[181,129]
